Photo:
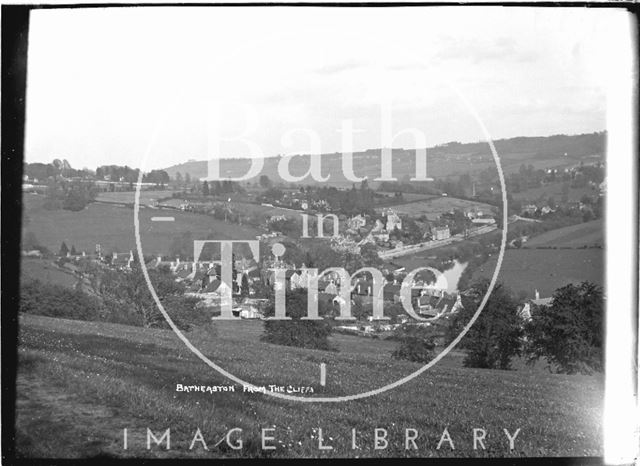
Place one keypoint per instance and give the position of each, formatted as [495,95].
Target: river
[450,277]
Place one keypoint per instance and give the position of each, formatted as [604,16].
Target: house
[250,314]
[525,310]
[603,188]
[249,310]
[440,232]
[184,271]
[393,221]
[484,220]
[122,261]
[426,305]
[331,288]
[357,222]
[437,303]
[378,226]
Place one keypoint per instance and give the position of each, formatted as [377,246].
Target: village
[381,228]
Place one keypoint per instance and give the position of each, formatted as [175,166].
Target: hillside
[546,270]
[111,226]
[587,234]
[81,383]
[443,160]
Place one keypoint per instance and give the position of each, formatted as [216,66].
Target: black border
[15,32]
[14,36]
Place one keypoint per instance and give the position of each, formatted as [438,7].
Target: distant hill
[449,159]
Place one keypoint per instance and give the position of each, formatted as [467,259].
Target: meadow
[588,234]
[81,383]
[555,190]
[545,269]
[112,227]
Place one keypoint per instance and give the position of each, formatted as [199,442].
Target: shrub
[74,201]
[569,332]
[37,297]
[311,334]
[416,344]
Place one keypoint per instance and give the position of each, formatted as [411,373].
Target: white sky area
[118,85]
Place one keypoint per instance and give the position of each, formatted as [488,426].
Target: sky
[154,87]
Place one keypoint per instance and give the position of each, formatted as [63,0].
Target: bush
[132,304]
[495,337]
[37,297]
[311,334]
[416,344]
[74,201]
[569,333]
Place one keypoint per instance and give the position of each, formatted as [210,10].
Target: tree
[63,249]
[296,332]
[77,195]
[416,344]
[569,332]
[244,291]
[215,188]
[73,251]
[369,254]
[30,242]
[265,182]
[130,289]
[495,337]
[74,201]
[205,188]
[159,177]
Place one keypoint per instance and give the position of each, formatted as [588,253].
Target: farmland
[112,227]
[546,269]
[81,383]
[435,207]
[587,234]
[554,190]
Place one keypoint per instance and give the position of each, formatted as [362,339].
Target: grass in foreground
[81,383]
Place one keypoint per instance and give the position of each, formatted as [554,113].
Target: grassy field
[433,208]
[81,383]
[553,190]
[146,197]
[546,269]
[112,227]
[583,234]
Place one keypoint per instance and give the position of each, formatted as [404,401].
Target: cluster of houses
[203,281]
